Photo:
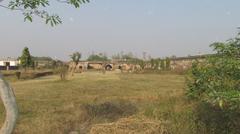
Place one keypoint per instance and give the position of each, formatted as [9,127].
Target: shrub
[214,120]
[217,79]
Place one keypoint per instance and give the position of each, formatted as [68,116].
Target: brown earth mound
[130,126]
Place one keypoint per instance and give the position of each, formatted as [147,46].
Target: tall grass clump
[176,112]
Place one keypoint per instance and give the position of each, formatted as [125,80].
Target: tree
[26,59]
[152,61]
[9,101]
[140,62]
[117,57]
[48,62]
[75,58]
[98,57]
[157,63]
[168,63]
[128,56]
[163,67]
[29,8]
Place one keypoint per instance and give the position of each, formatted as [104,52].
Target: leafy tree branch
[30,8]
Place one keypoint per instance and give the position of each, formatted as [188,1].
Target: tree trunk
[9,101]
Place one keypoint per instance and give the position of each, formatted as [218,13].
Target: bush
[214,120]
[215,83]
[217,79]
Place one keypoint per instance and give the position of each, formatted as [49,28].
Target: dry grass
[50,106]
[130,126]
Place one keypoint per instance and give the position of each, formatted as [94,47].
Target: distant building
[9,64]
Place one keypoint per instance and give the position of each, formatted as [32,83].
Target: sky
[160,28]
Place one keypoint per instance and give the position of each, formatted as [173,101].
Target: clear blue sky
[160,28]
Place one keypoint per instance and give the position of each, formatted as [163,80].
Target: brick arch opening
[108,67]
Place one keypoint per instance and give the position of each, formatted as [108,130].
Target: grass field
[50,106]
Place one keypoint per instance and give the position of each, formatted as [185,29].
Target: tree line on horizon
[29,61]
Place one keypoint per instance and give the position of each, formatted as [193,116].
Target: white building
[9,64]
